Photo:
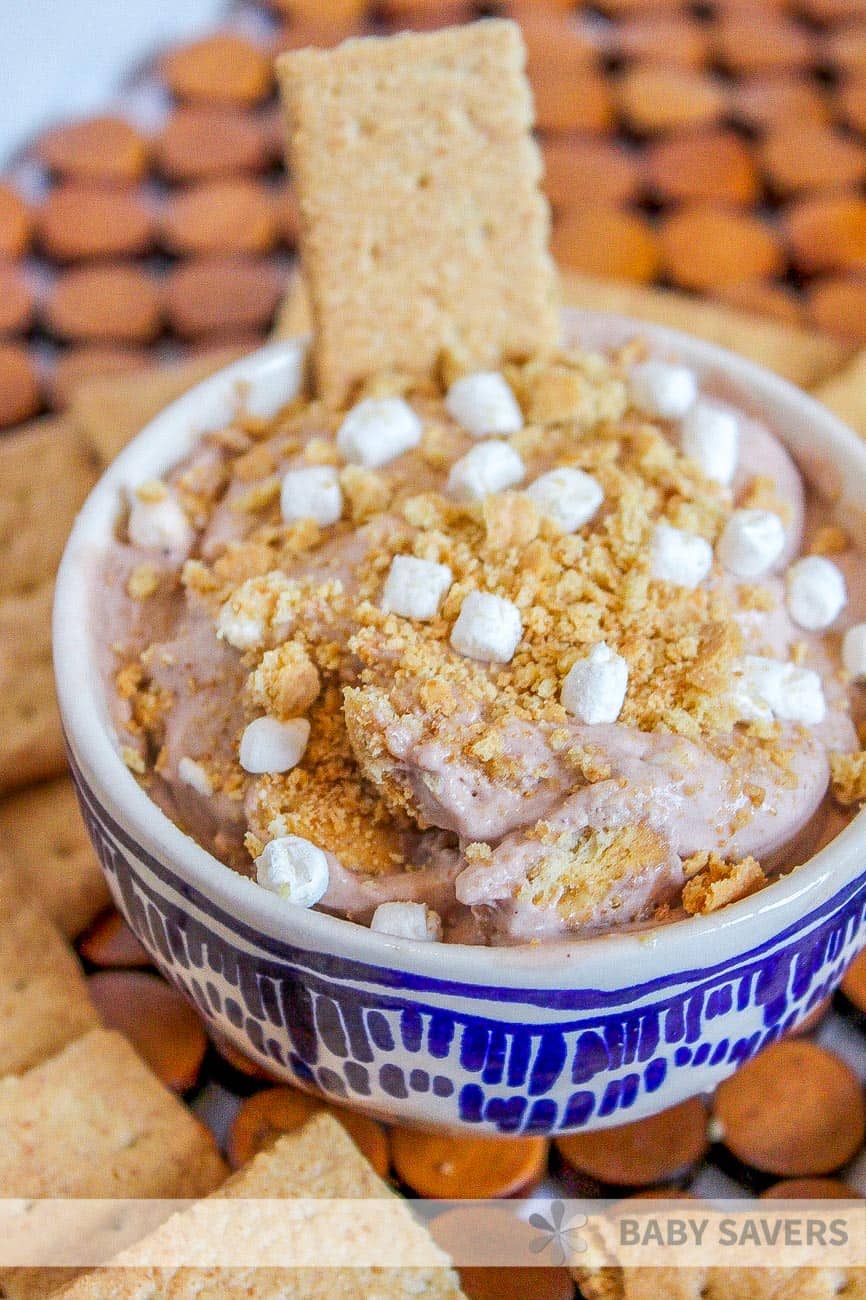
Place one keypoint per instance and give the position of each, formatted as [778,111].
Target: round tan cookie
[97,148]
[105,302]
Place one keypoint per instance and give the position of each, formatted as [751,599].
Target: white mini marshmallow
[768,688]
[663,390]
[854,652]
[195,776]
[160,526]
[269,745]
[711,438]
[483,404]
[751,542]
[294,869]
[489,467]
[408,921]
[312,493]
[377,430]
[567,496]
[414,588]
[595,687]
[683,559]
[815,592]
[488,627]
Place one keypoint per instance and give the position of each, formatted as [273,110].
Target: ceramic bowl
[544,1039]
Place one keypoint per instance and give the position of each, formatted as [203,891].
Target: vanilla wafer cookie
[422,224]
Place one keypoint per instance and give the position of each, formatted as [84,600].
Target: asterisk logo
[559,1236]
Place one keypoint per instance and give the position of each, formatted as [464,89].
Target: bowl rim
[606,960]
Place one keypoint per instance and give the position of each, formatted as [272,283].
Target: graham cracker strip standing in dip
[422,224]
[319,1161]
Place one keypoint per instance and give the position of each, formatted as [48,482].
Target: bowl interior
[831,456]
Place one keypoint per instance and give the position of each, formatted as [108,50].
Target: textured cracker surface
[319,1160]
[422,225]
[42,832]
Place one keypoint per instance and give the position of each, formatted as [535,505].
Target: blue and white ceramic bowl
[545,1039]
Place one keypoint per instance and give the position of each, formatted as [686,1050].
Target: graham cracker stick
[422,224]
[319,1160]
[42,832]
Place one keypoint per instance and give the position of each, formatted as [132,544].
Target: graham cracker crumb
[134,760]
[713,883]
[829,539]
[285,683]
[848,778]
[152,491]
[582,870]
[143,581]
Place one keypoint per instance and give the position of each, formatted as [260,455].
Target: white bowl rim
[606,961]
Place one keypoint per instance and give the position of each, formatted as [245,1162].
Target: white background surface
[66,58]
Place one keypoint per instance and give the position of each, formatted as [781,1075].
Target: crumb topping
[301,606]
[848,778]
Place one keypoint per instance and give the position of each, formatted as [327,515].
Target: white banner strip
[389,1232]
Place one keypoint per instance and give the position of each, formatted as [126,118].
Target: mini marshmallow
[595,687]
[414,588]
[662,390]
[408,921]
[567,496]
[194,775]
[711,438]
[483,404]
[487,468]
[854,652]
[768,688]
[751,542]
[488,628]
[377,430]
[312,493]
[160,525]
[816,593]
[683,559]
[269,745]
[294,869]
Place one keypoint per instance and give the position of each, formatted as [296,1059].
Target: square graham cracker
[94,1122]
[42,833]
[43,994]
[318,1161]
[422,224]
